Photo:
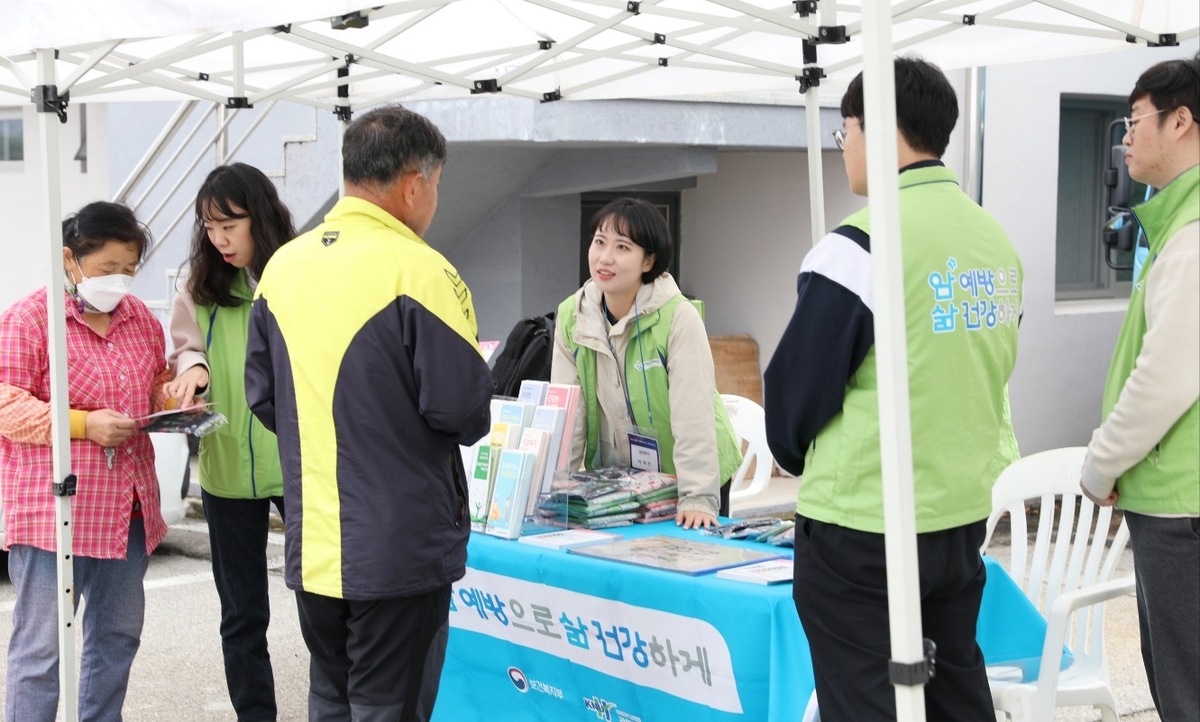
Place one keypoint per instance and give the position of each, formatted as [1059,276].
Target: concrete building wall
[1065,347]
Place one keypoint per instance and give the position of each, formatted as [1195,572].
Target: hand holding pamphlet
[198,420]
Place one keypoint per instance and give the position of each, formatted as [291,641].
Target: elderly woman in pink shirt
[116,370]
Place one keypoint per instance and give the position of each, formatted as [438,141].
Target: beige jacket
[691,386]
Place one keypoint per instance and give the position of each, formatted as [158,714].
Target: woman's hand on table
[109,428]
[694,519]
[184,386]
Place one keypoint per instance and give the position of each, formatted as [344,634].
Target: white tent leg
[48,127]
[972,124]
[891,349]
[816,170]
[342,125]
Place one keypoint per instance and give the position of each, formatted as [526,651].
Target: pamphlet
[569,538]
[487,348]
[197,420]
[772,571]
[676,555]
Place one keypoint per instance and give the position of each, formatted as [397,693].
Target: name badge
[643,452]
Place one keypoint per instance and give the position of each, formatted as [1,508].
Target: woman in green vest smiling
[641,355]
[240,222]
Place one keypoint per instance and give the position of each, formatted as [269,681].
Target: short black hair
[91,227]
[250,190]
[385,143]
[926,104]
[1171,84]
[641,223]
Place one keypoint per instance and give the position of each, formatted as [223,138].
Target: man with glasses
[962,302]
[1146,454]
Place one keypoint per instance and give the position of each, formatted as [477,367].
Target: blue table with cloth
[540,634]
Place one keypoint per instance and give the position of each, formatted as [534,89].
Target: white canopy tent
[340,56]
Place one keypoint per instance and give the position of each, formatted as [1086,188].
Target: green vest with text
[655,331]
[1165,482]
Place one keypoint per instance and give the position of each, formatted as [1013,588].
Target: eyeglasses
[1131,122]
[839,135]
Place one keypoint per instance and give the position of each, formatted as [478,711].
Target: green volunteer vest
[1165,482]
[655,332]
[962,291]
[241,459]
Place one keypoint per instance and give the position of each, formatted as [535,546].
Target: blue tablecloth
[544,635]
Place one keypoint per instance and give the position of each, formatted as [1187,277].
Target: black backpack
[527,354]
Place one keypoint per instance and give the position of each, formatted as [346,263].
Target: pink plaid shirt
[121,371]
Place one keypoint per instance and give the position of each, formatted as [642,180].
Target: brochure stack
[512,468]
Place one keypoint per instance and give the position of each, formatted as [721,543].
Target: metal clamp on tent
[810,77]
[804,8]
[239,101]
[343,112]
[47,100]
[66,487]
[968,19]
[910,675]
[545,44]
[633,7]
[490,85]
[552,96]
[355,19]
[663,62]
[831,35]
[202,76]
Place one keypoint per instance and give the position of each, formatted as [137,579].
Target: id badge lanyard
[643,441]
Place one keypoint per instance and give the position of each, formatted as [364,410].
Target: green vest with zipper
[654,329]
[241,459]
[1165,481]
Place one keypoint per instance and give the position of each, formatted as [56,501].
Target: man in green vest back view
[1146,455]
[962,301]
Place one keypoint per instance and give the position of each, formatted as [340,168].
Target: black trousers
[237,534]
[840,590]
[374,661]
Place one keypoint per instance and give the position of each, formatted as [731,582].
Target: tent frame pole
[891,346]
[63,483]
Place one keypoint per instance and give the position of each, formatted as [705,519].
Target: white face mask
[102,293]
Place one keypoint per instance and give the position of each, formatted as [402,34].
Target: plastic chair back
[1071,555]
[749,423]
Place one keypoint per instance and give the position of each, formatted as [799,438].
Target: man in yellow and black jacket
[363,359]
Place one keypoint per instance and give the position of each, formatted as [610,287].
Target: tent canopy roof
[574,49]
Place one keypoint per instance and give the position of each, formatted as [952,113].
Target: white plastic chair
[1068,580]
[749,423]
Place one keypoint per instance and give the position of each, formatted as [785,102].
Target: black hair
[94,225]
[926,105]
[1171,84]
[641,223]
[235,191]
[385,143]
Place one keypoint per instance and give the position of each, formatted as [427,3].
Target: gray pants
[1166,559]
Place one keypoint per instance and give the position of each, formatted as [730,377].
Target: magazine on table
[685,556]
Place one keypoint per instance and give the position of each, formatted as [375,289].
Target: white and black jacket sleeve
[829,335]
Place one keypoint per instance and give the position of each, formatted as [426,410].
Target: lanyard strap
[624,370]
